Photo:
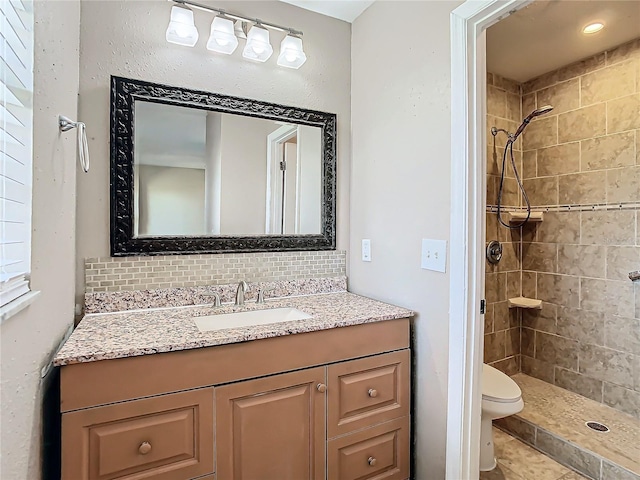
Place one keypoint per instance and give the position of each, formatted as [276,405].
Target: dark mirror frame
[124,93]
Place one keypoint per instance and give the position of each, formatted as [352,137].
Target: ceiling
[347,10]
[547,34]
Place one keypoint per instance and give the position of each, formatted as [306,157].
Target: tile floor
[517,461]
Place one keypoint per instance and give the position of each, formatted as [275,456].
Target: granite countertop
[132,333]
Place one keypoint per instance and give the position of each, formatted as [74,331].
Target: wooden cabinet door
[272,428]
[169,437]
[368,391]
[378,453]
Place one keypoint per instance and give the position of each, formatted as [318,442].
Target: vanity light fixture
[222,38]
[593,28]
[181,29]
[291,53]
[224,34]
[258,47]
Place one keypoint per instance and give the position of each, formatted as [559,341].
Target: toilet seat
[498,387]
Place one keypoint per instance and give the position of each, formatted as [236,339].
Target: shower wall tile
[581,260]
[543,319]
[611,151]
[622,334]
[559,227]
[581,188]
[558,289]
[497,102]
[608,227]
[494,346]
[529,281]
[506,84]
[529,164]
[557,350]
[608,83]
[558,160]
[509,365]
[624,52]
[542,132]
[587,122]
[580,384]
[540,257]
[607,365]
[581,325]
[528,103]
[589,304]
[514,284]
[537,368]
[607,296]
[622,399]
[542,191]
[514,107]
[621,261]
[623,113]
[563,96]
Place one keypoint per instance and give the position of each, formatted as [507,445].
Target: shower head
[541,111]
[536,113]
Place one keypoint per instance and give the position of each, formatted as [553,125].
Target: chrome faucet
[242,289]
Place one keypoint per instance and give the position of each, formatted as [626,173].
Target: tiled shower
[580,166]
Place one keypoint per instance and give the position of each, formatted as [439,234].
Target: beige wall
[128,39]
[29,338]
[400,189]
[171,200]
[587,152]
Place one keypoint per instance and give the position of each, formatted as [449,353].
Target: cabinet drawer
[368,391]
[380,452]
[164,438]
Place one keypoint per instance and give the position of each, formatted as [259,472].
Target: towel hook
[67,124]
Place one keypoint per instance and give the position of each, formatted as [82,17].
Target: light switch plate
[434,255]
[366,250]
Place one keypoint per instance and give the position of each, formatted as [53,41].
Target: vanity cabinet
[332,404]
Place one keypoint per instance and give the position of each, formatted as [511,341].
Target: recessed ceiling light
[593,28]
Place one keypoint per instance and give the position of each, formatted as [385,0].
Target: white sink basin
[223,321]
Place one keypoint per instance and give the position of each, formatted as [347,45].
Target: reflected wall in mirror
[200,172]
[195,171]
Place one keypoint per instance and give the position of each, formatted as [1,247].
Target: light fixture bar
[272,26]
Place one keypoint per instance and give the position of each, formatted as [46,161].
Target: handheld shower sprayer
[512,137]
[536,113]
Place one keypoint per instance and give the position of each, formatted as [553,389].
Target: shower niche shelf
[518,217]
[524,302]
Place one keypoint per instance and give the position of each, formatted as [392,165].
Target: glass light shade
[258,47]
[181,29]
[222,38]
[291,53]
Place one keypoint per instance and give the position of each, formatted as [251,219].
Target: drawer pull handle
[372,461]
[373,393]
[145,447]
[321,387]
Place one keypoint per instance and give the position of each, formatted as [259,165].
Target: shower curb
[563,451]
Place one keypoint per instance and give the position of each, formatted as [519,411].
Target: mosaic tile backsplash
[120,274]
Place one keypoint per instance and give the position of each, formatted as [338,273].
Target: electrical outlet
[366,250]
[434,255]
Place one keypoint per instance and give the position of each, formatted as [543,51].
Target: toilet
[501,397]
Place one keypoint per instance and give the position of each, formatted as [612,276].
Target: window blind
[16,134]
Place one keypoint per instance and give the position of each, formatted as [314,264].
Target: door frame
[468,204]
[275,140]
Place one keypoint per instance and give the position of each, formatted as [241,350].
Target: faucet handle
[261,292]
[216,300]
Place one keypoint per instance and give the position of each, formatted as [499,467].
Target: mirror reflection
[201,173]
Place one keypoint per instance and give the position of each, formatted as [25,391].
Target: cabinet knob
[321,387]
[145,447]
[372,393]
[372,461]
